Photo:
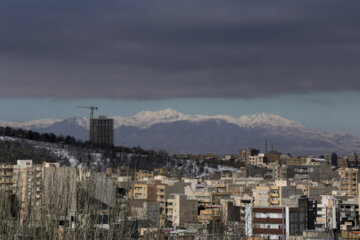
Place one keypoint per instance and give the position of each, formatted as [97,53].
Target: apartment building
[347,214]
[28,188]
[267,222]
[242,201]
[268,196]
[145,191]
[209,213]
[181,210]
[353,160]
[326,212]
[277,222]
[349,178]
[244,154]
[296,161]
[259,160]
[230,212]
[163,192]
[142,175]
[6,177]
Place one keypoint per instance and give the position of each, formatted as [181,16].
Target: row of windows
[268,215]
[268,226]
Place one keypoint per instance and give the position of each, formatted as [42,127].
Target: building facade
[102,130]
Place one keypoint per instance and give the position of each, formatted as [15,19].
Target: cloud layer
[164,49]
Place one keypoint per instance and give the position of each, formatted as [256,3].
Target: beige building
[102,130]
[28,188]
[32,184]
[349,180]
[244,154]
[181,210]
[325,211]
[145,191]
[242,201]
[267,196]
[259,160]
[143,175]
[163,192]
[296,161]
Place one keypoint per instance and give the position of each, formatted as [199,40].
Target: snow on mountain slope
[145,119]
[40,123]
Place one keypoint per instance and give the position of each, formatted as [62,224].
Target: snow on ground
[4,138]
[210,170]
[63,153]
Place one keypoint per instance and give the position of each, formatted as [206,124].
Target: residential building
[181,210]
[6,177]
[347,215]
[145,191]
[267,222]
[163,192]
[268,196]
[28,188]
[142,175]
[349,178]
[244,154]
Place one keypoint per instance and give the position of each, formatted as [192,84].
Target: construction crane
[92,108]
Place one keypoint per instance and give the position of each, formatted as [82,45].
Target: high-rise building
[28,187]
[102,130]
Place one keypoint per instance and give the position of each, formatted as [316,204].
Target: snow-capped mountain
[146,119]
[177,132]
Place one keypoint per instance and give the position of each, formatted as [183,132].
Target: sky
[297,59]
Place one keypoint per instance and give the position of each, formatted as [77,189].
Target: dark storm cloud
[140,49]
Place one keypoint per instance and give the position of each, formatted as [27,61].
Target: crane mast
[92,108]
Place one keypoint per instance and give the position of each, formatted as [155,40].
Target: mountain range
[182,133]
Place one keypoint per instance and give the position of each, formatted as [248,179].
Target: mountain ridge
[174,131]
[146,119]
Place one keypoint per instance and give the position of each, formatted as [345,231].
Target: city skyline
[194,120]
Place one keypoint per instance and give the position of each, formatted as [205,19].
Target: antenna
[266,145]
